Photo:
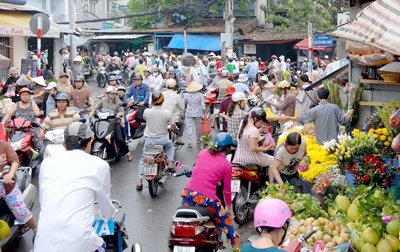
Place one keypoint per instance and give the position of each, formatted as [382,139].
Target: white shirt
[174,103]
[283,66]
[157,82]
[204,75]
[69,184]
[276,66]
[148,80]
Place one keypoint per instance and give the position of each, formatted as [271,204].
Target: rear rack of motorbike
[189,215]
[153,149]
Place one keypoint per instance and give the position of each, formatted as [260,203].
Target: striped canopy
[377,25]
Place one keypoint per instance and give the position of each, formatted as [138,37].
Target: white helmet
[111,89]
[238,96]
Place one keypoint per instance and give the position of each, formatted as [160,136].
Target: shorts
[16,204]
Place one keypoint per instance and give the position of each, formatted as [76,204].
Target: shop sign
[321,42]
[25,31]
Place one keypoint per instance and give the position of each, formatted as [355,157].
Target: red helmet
[24,89]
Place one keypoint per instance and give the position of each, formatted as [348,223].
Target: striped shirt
[55,120]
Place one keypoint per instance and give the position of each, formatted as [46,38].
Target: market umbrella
[4,61]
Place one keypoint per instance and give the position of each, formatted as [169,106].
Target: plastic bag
[395,119]
[205,127]
[268,140]
[10,91]
[303,164]
[396,143]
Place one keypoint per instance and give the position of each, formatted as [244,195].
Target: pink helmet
[271,213]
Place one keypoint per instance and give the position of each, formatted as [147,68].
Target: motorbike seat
[202,210]
[154,149]
[248,166]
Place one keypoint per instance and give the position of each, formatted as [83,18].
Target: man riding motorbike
[113,65]
[201,190]
[156,132]
[111,102]
[174,103]
[82,96]
[112,81]
[139,93]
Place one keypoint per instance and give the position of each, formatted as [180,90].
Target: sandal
[139,187]
[190,145]
[129,156]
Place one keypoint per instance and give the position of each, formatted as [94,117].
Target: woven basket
[390,77]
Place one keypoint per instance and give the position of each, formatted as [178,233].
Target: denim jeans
[164,141]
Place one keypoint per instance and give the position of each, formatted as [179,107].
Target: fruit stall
[351,189]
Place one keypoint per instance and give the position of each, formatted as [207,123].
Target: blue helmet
[223,139]
[62,96]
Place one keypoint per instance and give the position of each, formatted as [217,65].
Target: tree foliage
[297,13]
[177,11]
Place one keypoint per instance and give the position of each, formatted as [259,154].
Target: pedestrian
[223,108]
[326,117]
[240,85]
[204,74]
[303,100]
[195,111]
[236,113]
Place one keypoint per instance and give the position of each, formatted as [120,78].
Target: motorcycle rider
[271,221]
[112,81]
[111,102]
[112,66]
[174,103]
[26,108]
[158,80]
[67,198]
[236,113]
[211,166]
[121,95]
[81,97]
[147,77]
[64,84]
[61,117]
[139,92]
[156,132]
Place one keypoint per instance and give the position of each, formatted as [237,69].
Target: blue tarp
[196,42]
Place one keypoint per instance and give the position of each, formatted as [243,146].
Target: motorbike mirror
[35,124]
[40,116]
[178,164]
[83,120]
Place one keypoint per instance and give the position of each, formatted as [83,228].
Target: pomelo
[368,247]
[360,243]
[353,212]
[394,241]
[384,245]
[4,230]
[342,203]
[393,228]
[369,235]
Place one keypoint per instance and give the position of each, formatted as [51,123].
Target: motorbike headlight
[18,145]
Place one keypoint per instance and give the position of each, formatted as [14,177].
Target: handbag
[205,127]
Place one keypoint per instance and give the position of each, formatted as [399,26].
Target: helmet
[157,98]
[230,90]
[137,76]
[111,90]
[62,96]
[13,70]
[79,78]
[24,89]
[284,84]
[238,96]
[223,139]
[170,83]
[146,70]
[264,78]
[112,77]
[225,73]
[273,56]
[121,88]
[175,64]
[115,53]
[113,59]
[271,213]
[258,113]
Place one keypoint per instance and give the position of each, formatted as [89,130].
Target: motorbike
[136,126]
[53,143]
[246,183]
[24,175]
[173,136]
[113,232]
[87,71]
[102,76]
[20,138]
[193,228]
[103,126]
[121,80]
[210,96]
[155,169]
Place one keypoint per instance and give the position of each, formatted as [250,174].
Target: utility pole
[226,38]
[71,7]
[310,47]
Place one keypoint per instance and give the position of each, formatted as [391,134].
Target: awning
[196,42]
[4,61]
[119,36]
[343,66]
[303,45]
[16,23]
[377,25]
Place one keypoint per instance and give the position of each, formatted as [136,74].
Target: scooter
[103,127]
[119,77]
[155,169]
[87,71]
[193,228]
[102,76]
[24,175]
[210,96]
[20,138]
[136,126]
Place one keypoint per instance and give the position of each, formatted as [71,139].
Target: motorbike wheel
[103,81]
[240,209]
[153,187]
[208,111]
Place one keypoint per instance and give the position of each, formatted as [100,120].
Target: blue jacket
[139,95]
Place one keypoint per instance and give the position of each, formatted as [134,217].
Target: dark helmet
[223,139]
[259,113]
[157,97]
[137,76]
[62,96]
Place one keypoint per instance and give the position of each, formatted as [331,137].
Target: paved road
[148,219]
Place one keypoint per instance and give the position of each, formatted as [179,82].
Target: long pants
[192,123]
[181,126]
[120,139]
[221,217]
[16,204]
[164,141]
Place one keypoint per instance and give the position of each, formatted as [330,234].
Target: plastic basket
[340,248]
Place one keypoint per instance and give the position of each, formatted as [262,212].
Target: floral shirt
[194,103]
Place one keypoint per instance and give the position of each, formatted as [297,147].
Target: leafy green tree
[297,13]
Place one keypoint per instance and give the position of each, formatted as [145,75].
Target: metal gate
[5,51]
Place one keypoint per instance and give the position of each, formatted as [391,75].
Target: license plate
[184,249]
[235,186]
[150,169]
[103,228]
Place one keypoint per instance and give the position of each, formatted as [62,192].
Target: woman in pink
[211,166]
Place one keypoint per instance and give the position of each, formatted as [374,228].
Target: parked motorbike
[136,126]
[155,168]
[210,96]
[53,143]
[113,232]
[102,76]
[20,138]
[103,126]
[246,183]
[24,175]
[193,228]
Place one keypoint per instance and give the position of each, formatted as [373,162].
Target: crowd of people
[168,93]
